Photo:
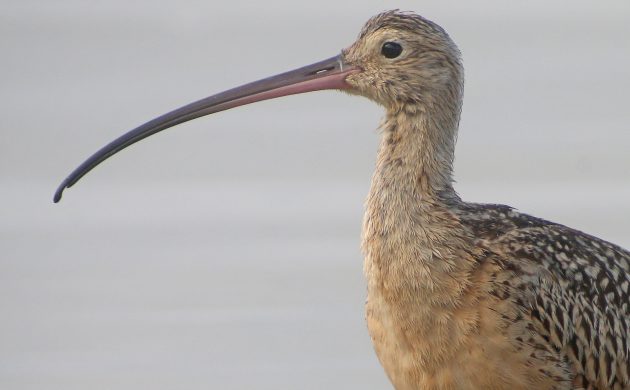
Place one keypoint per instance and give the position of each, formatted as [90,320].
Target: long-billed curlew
[460,295]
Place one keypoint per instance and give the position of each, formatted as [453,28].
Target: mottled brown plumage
[472,296]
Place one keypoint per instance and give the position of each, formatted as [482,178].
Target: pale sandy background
[225,253]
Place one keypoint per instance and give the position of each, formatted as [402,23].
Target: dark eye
[391,49]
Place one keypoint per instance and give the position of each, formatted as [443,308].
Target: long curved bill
[327,74]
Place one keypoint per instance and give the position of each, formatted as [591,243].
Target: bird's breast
[431,313]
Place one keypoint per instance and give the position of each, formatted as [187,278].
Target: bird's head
[405,60]
[400,60]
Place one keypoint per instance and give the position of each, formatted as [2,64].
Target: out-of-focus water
[225,253]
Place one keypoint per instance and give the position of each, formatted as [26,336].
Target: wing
[575,288]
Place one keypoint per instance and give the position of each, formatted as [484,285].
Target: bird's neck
[409,225]
[415,157]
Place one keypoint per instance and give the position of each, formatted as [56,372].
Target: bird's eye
[391,49]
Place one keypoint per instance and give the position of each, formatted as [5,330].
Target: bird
[460,295]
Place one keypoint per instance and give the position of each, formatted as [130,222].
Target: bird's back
[572,289]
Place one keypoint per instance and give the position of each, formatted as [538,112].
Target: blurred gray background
[224,253]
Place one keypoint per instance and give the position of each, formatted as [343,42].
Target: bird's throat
[416,156]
